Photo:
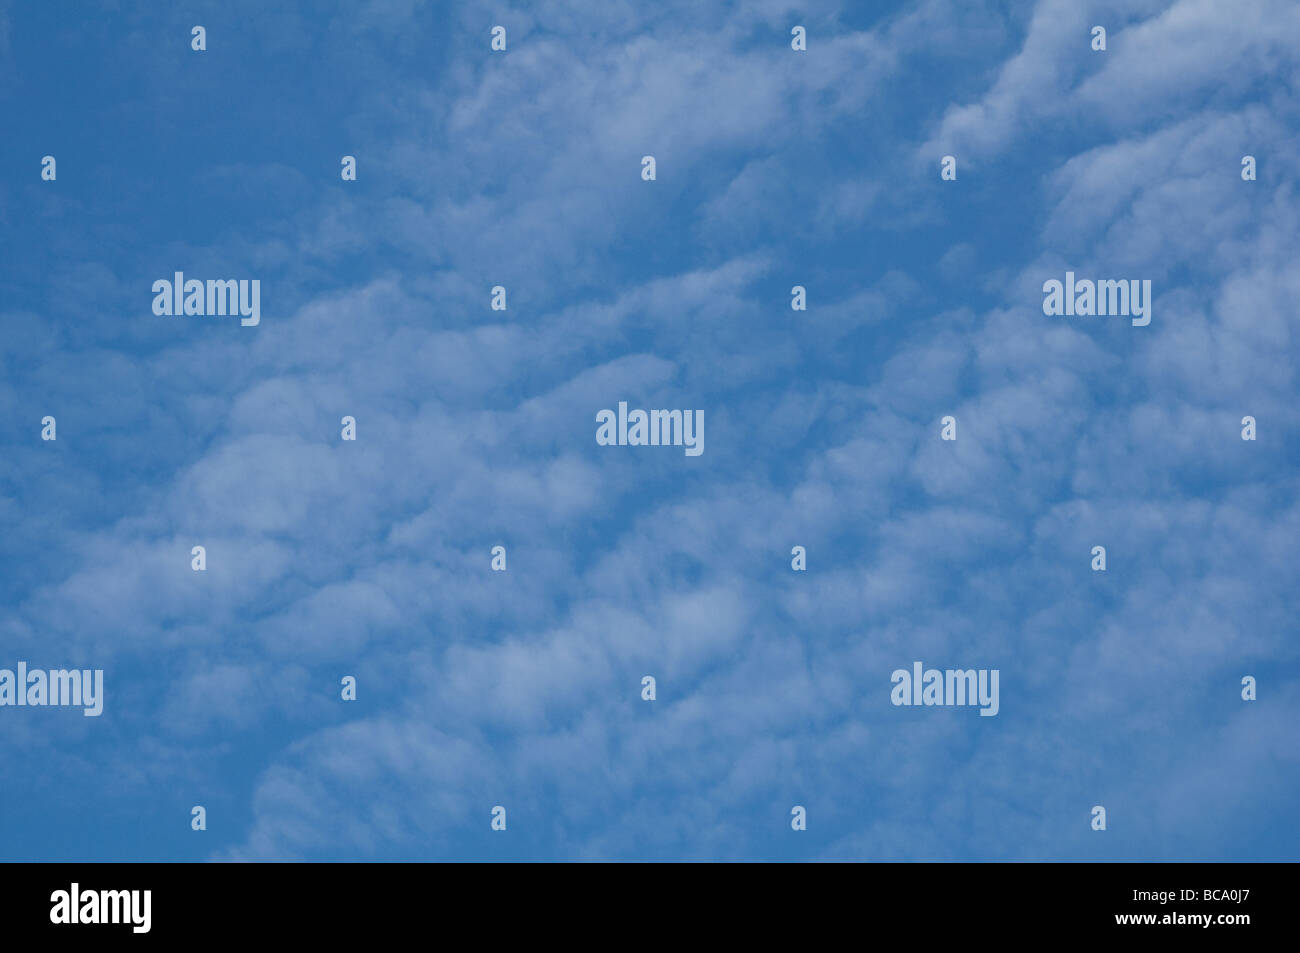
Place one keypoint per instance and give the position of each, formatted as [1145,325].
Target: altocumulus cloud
[475,428]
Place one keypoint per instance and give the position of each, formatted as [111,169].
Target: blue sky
[477,428]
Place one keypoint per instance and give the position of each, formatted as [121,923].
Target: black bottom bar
[652,904]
